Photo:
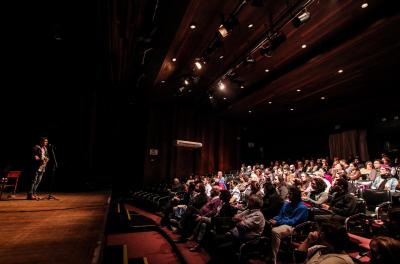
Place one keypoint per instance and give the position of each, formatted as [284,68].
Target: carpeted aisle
[148,244]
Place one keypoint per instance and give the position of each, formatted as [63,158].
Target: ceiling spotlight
[303,46]
[227,26]
[210,96]
[250,25]
[301,19]
[186,82]
[322,98]
[384,119]
[298,90]
[241,86]
[266,70]
[221,85]
[340,71]
[221,57]
[163,81]
[291,109]
[270,102]
[249,111]
[198,65]
[224,98]
[173,59]
[364,5]
[396,118]
[192,26]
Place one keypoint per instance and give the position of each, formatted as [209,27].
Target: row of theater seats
[151,198]
[369,218]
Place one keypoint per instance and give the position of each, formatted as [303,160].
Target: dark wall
[220,149]
[272,143]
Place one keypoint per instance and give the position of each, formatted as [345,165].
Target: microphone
[51,146]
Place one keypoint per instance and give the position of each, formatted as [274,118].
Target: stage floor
[70,230]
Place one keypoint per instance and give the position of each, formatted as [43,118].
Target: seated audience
[326,246]
[384,180]
[292,213]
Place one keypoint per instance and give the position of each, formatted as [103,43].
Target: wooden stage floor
[70,230]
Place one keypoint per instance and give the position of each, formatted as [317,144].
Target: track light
[278,40]
[225,28]
[266,52]
[198,65]
[301,19]
[273,44]
[250,59]
[221,85]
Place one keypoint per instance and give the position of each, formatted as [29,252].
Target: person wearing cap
[385,180]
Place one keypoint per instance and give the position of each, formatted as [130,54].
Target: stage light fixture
[186,82]
[221,85]
[198,65]
[274,43]
[301,19]
[192,26]
[278,40]
[250,59]
[266,52]
[225,28]
[173,59]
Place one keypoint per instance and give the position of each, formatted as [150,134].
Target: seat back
[375,197]
[361,206]
[13,174]
[10,181]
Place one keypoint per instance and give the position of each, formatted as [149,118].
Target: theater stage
[70,230]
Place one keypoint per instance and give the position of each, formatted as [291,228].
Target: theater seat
[11,180]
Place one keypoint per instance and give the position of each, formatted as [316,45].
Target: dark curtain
[349,144]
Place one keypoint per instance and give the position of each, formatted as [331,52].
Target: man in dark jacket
[40,158]
[342,205]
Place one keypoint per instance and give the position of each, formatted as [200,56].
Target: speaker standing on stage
[40,159]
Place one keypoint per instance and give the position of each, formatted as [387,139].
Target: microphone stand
[55,166]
